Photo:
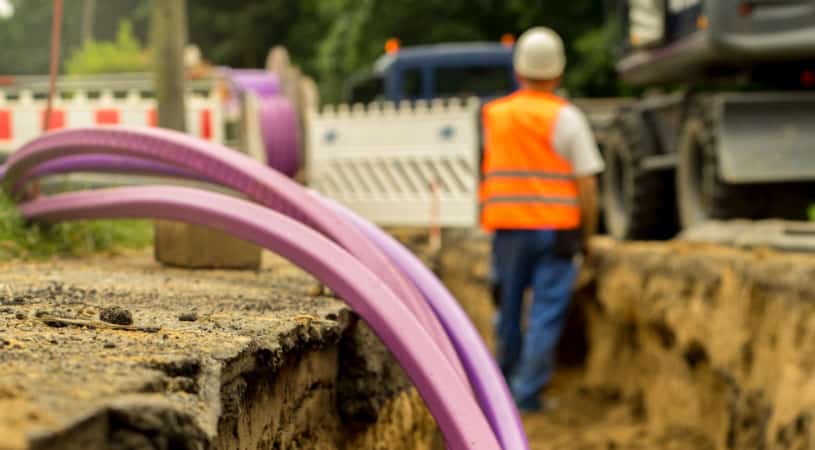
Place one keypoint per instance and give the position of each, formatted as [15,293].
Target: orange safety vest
[526,183]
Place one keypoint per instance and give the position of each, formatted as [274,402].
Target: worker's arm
[587,196]
[574,139]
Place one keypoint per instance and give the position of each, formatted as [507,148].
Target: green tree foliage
[329,39]
[24,37]
[592,74]
[333,39]
[359,28]
[240,33]
[125,54]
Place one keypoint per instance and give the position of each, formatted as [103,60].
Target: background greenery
[19,240]
[124,54]
[329,39]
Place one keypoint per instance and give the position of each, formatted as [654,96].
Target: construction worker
[539,197]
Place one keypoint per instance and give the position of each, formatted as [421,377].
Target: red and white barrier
[22,115]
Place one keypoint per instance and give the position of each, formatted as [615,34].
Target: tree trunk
[175,244]
[88,20]
[168,34]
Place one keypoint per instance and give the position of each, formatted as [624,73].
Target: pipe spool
[257,81]
[280,131]
[278,117]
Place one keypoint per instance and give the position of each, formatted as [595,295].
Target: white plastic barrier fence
[406,165]
[22,115]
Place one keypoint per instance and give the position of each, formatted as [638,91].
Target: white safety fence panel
[22,116]
[415,165]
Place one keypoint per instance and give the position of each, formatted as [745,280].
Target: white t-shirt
[574,140]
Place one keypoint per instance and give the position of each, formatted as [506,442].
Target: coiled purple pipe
[224,166]
[258,81]
[280,131]
[450,402]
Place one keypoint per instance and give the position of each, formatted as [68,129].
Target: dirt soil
[584,418]
[122,353]
[671,346]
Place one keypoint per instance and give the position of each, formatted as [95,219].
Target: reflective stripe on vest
[526,183]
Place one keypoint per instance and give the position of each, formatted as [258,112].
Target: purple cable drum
[279,128]
[452,404]
[220,165]
[280,131]
[258,81]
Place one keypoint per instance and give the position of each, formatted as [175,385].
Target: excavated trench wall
[212,360]
[709,342]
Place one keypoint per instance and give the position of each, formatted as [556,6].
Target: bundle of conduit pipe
[277,116]
[401,300]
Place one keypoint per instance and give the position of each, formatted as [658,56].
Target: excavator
[725,128]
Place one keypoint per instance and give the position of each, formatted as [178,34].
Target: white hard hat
[539,54]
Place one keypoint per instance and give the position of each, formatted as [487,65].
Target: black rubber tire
[701,193]
[637,203]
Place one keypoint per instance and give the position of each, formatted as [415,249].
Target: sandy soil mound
[677,346]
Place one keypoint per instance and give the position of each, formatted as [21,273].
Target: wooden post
[168,35]
[88,22]
[181,244]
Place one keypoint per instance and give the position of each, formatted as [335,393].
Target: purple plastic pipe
[110,164]
[487,381]
[482,372]
[451,403]
[224,166]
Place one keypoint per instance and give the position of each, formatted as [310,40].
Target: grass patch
[19,240]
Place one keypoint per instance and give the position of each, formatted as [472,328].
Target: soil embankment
[677,345]
[192,360]
[670,346]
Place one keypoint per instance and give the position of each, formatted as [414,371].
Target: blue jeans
[524,258]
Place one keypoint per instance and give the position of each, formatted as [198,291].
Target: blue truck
[476,69]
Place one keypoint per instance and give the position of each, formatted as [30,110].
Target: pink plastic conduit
[485,376]
[227,167]
[482,371]
[451,403]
